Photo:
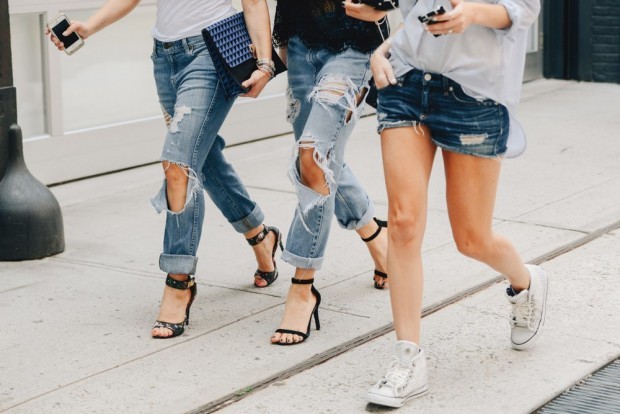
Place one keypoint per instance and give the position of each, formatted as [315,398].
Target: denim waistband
[186,44]
[435,80]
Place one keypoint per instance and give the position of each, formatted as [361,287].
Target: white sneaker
[528,310]
[406,378]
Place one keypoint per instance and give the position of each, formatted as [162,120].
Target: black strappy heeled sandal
[315,313]
[178,328]
[270,277]
[381,224]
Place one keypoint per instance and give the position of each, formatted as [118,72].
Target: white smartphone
[72,42]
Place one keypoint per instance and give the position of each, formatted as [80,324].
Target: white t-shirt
[485,62]
[178,19]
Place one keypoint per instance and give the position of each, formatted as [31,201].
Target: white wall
[97,110]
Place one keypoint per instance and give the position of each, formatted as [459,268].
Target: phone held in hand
[427,18]
[58,26]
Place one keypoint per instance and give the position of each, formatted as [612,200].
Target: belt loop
[446,84]
[186,45]
[155,47]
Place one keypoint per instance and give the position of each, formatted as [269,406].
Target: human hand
[362,11]
[382,70]
[456,20]
[80,28]
[256,83]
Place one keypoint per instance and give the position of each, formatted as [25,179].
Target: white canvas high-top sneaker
[406,377]
[529,308]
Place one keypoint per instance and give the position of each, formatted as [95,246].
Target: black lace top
[324,24]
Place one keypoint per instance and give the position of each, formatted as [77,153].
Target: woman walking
[328,48]
[454,84]
[195,107]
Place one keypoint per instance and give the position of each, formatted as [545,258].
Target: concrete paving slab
[181,377]
[571,145]
[586,211]
[471,366]
[86,320]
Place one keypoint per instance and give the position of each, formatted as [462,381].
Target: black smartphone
[426,18]
[58,25]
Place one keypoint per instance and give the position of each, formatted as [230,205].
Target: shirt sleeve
[522,13]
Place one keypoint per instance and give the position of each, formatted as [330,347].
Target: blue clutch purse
[232,52]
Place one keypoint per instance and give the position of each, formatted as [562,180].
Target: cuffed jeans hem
[251,221]
[366,218]
[178,264]
[314,263]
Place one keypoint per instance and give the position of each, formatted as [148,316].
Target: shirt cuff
[521,13]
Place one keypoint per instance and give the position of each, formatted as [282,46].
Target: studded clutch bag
[232,52]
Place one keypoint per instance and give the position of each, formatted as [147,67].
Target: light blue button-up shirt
[486,62]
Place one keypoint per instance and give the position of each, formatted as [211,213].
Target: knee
[312,175]
[474,244]
[405,229]
[176,175]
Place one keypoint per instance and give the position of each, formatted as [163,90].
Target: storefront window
[109,80]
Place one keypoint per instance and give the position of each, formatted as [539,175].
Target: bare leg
[174,301]
[300,301]
[408,156]
[471,190]
[299,305]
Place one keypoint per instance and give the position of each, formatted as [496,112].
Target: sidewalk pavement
[76,334]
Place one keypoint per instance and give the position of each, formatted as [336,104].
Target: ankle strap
[181,285]
[381,224]
[259,237]
[302,281]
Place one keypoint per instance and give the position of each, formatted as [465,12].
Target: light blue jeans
[323,107]
[195,106]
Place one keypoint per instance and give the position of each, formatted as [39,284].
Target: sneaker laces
[398,375]
[522,314]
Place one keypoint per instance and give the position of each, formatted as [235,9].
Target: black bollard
[30,218]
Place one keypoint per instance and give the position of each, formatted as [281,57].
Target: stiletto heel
[382,224]
[314,313]
[178,328]
[269,277]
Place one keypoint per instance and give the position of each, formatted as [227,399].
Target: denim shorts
[458,122]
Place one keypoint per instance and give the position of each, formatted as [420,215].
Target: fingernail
[393,81]
[64,34]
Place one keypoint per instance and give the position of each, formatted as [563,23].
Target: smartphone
[427,18]
[58,26]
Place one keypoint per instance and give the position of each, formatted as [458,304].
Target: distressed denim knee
[325,100]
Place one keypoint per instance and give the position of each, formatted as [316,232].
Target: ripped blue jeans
[195,106]
[325,91]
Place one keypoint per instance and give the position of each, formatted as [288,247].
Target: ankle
[302,293]
[179,277]
[254,232]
